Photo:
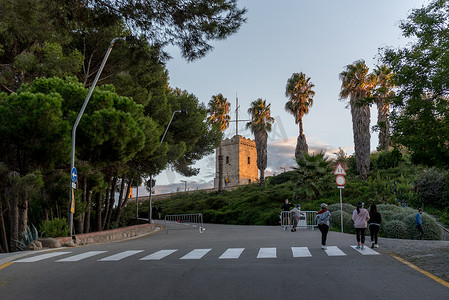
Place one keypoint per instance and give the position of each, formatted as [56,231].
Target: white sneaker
[376,246]
[324,247]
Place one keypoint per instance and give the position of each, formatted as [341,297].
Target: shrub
[348,224]
[349,208]
[26,237]
[432,231]
[432,188]
[55,228]
[395,229]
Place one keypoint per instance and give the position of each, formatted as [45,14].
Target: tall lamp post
[150,210]
[73,172]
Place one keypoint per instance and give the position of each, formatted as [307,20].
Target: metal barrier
[184,222]
[306,220]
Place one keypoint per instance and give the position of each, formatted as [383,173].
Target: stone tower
[239,162]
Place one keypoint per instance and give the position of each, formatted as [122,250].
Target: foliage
[421,112]
[385,159]
[395,229]
[433,188]
[314,175]
[55,228]
[348,224]
[27,237]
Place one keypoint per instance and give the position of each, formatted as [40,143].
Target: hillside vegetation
[392,179]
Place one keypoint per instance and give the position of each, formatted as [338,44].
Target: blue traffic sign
[74,174]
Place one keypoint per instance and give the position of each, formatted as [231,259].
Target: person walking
[324,220]
[360,216]
[374,221]
[418,222]
[296,212]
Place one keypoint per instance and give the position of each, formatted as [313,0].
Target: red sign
[339,170]
[340,180]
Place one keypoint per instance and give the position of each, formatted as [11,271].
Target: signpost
[340,180]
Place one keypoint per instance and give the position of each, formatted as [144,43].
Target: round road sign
[340,180]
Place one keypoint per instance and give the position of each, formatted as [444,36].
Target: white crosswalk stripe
[301,252]
[159,254]
[81,256]
[120,256]
[267,253]
[196,254]
[42,257]
[232,253]
[365,251]
[334,251]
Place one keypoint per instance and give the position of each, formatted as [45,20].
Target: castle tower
[239,162]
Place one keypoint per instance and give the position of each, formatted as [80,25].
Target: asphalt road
[191,265]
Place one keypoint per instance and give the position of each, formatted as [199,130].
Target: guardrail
[184,222]
[306,220]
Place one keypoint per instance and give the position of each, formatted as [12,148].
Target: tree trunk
[384,124]
[261,137]
[125,200]
[106,202]
[4,238]
[87,213]
[99,221]
[111,203]
[360,127]
[220,170]
[23,214]
[14,223]
[120,200]
[301,147]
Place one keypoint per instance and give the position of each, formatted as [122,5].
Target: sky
[282,37]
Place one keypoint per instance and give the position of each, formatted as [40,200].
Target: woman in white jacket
[360,216]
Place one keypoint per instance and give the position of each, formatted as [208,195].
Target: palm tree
[300,99]
[382,97]
[260,124]
[357,85]
[314,175]
[219,116]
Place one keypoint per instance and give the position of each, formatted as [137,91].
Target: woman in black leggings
[374,224]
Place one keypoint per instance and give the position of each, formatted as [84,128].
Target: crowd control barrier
[306,220]
[184,222]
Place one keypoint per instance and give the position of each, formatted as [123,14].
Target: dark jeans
[374,230]
[421,232]
[295,222]
[324,230]
[360,235]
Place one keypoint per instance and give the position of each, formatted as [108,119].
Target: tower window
[227,159]
[249,160]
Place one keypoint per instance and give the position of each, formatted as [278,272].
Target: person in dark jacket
[374,221]
[418,223]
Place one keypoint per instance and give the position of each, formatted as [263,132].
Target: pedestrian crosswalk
[195,254]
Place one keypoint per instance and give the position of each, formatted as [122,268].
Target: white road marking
[301,252]
[196,254]
[159,254]
[267,253]
[42,257]
[232,253]
[366,251]
[334,251]
[121,255]
[81,256]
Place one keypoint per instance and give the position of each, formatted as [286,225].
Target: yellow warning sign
[72,205]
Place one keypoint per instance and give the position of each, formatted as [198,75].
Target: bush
[395,229]
[55,228]
[432,188]
[348,224]
[432,231]
[349,208]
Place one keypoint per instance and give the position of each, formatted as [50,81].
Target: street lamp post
[150,209]
[185,185]
[73,172]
